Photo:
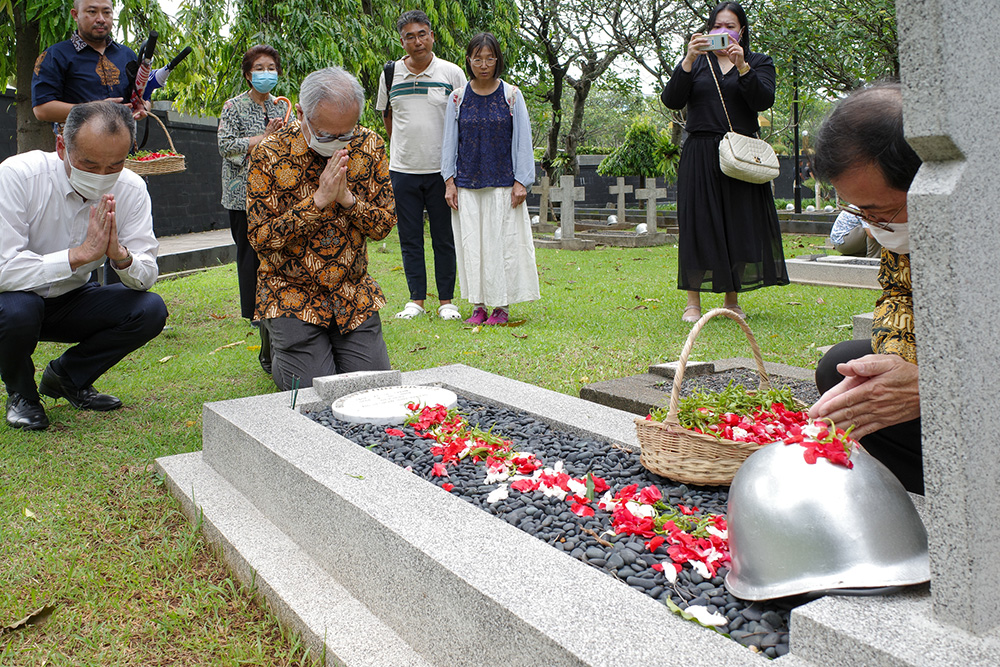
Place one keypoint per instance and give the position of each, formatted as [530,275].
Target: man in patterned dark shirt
[317,190]
[863,153]
[86,67]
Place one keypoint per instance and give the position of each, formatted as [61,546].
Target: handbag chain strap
[718,88]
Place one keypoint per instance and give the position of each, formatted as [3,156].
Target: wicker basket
[670,450]
[161,165]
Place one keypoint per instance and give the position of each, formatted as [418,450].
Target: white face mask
[897,241]
[327,148]
[91,186]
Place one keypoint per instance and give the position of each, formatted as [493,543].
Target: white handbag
[741,157]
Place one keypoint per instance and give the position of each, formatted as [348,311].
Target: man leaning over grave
[317,190]
[872,384]
[61,215]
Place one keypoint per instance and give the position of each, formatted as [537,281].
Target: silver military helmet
[796,527]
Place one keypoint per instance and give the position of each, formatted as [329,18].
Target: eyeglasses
[411,37]
[479,62]
[868,217]
[325,138]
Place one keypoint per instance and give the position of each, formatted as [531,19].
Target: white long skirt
[494,248]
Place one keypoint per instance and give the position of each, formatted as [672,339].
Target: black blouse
[745,96]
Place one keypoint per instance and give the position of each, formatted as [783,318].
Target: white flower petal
[712,530]
[577,487]
[702,615]
[701,569]
[670,572]
[499,493]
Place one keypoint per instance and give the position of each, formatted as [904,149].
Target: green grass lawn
[86,527]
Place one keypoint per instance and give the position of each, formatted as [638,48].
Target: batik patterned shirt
[314,263]
[72,71]
[892,321]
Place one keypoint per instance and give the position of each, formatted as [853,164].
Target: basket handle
[765,381]
[169,140]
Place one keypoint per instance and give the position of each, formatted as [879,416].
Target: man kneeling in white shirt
[61,215]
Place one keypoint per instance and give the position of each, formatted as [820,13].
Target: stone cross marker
[566,195]
[621,190]
[951,119]
[650,193]
[543,200]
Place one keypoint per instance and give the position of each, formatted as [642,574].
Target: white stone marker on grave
[951,116]
[621,190]
[387,405]
[566,195]
[650,193]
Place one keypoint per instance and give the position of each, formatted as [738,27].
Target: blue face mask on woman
[264,82]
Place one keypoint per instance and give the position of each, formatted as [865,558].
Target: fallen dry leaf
[521,336]
[227,346]
[167,358]
[31,515]
[216,316]
[820,300]
[40,615]
[792,303]
[418,348]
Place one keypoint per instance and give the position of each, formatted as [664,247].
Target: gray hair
[334,86]
[412,16]
[114,118]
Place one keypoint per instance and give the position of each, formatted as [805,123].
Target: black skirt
[729,236]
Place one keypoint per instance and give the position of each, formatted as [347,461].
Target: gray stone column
[952,115]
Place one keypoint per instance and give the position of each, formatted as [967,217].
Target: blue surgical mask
[264,82]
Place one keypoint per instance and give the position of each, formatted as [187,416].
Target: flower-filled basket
[684,455]
[157,163]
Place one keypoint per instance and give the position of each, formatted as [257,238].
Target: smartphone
[717,41]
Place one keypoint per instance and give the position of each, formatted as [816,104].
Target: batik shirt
[241,119]
[72,71]
[314,263]
[892,321]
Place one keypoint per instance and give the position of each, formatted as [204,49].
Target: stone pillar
[543,201]
[621,190]
[650,193]
[567,195]
[952,118]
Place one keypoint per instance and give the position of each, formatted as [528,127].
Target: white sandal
[410,310]
[449,311]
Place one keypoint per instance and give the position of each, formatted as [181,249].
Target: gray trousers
[306,351]
[858,244]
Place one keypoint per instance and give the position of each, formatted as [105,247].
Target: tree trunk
[32,134]
[555,100]
[581,90]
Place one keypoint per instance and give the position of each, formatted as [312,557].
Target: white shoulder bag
[741,157]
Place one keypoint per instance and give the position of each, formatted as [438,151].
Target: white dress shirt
[42,217]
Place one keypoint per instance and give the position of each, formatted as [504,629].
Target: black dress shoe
[26,414]
[59,386]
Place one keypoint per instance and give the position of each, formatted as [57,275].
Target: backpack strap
[388,72]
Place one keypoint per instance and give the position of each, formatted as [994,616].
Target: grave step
[301,593]
[834,270]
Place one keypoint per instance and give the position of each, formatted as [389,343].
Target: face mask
[91,186]
[326,149]
[897,241]
[263,82]
[734,36]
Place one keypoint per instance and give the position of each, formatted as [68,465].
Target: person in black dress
[730,241]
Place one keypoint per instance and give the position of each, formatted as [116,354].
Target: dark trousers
[106,322]
[301,351]
[247,263]
[414,193]
[896,446]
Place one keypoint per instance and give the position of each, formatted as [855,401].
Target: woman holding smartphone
[730,241]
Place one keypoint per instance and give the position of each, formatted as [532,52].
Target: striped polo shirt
[418,104]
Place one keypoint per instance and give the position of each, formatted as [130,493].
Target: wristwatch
[125,263]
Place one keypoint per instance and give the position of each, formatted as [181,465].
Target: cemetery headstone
[650,193]
[387,405]
[566,194]
[621,190]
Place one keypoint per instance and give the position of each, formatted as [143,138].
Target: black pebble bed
[804,390]
[762,626]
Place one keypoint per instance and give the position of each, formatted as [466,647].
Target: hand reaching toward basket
[878,390]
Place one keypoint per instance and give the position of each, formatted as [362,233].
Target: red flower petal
[395,432]
[447,486]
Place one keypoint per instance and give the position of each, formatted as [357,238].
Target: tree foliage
[645,152]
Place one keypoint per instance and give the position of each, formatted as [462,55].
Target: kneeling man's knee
[21,314]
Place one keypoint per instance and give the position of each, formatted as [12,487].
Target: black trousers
[105,322]
[414,193]
[896,446]
[247,263]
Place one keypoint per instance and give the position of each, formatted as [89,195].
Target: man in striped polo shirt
[412,106]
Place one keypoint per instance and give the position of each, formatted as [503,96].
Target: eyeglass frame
[479,62]
[327,138]
[411,37]
[854,210]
